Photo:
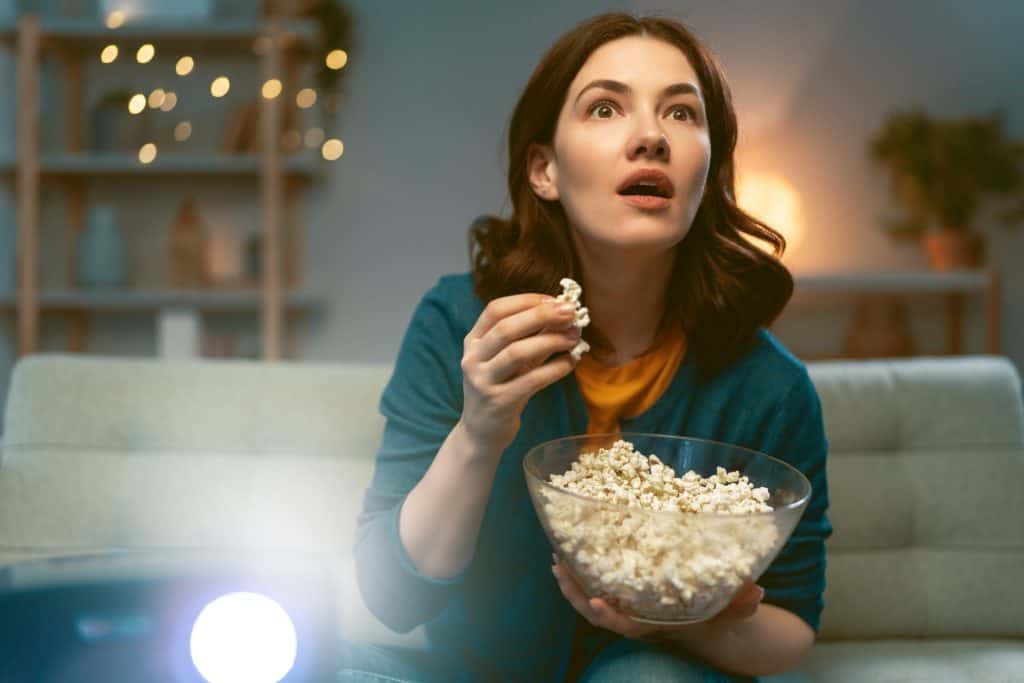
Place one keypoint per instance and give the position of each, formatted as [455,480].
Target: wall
[432,86]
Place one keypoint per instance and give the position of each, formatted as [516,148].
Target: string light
[314,137]
[137,103]
[115,19]
[170,101]
[145,54]
[109,54]
[332,149]
[156,98]
[336,59]
[183,131]
[184,66]
[271,89]
[306,98]
[220,86]
[147,153]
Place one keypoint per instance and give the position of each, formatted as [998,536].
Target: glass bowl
[665,566]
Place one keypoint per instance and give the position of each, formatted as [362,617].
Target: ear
[542,172]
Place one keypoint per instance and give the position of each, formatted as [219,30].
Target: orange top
[628,390]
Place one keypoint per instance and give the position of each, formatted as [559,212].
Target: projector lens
[243,637]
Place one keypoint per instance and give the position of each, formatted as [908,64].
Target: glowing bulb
[183,131]
[147,153]
[336,59]
[115,19]
[306,98]
[156,98]
[137,103]
[109,54]
[271,88]
[314,137]
[243,637]
[772,200]
[170,101]
[220,86]
[145,54]
[184,66]
[333,149]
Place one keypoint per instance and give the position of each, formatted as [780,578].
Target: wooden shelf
[214,33]
[115,164]
[903,282]
[142,300]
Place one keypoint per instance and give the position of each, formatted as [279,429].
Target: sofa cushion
[912,661]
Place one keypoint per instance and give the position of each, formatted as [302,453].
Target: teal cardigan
[503,617]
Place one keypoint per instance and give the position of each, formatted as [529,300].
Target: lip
[651,175]
[646,202]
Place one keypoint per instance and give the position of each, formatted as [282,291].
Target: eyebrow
[623,89]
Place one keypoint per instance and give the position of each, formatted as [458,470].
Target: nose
[651,144]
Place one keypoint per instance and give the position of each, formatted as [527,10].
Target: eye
[601,104]
[683,108]
[607,103]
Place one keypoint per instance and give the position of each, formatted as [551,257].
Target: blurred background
[883,138]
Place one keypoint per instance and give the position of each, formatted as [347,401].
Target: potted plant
[942,172]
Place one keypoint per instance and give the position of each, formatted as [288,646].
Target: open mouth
[645,189]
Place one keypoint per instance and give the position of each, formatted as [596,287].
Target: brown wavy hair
[722,288]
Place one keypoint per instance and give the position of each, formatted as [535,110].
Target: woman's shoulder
[768,368]
[454,298]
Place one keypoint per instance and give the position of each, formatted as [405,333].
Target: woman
[619,107]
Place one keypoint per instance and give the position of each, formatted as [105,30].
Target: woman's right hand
[506,359]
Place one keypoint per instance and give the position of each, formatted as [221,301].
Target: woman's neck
[626,302]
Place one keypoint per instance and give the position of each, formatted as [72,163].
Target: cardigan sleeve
[421,404]
[795,433]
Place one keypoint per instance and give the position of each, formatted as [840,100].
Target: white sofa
[926,565]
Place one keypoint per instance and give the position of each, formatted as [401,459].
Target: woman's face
[647,114]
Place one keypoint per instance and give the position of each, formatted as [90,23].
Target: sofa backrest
[926,468]
[925,471]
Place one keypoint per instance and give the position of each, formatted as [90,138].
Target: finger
[525,323]
[529,383]
[574,593]
[527,354]
[744,604]
[503,307]
[614,620]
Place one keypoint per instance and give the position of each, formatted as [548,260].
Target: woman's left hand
[602,614]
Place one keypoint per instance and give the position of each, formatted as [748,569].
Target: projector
[169,616]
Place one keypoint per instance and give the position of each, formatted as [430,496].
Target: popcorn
[660,566]
[581,318]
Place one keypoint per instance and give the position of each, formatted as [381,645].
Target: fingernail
[566,308]
[554,558]
[554,570]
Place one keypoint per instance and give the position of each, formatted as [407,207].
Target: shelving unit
[281,180]
[953,286]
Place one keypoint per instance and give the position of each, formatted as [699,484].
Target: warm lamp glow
[137,103]
[147,153]
[271,89]
[332,149]
[220,86]
[772,199]
[115,19]
[306,98]
[156,98]
[109,54]
[336,59]
[184,66]
[145,54]
[170,102]
[183,131]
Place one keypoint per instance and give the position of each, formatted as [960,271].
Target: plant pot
[949,249]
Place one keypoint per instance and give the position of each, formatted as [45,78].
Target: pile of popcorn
[571,292]
[639,550]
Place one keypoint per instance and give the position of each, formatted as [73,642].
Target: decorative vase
[100,260]
[950,249]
